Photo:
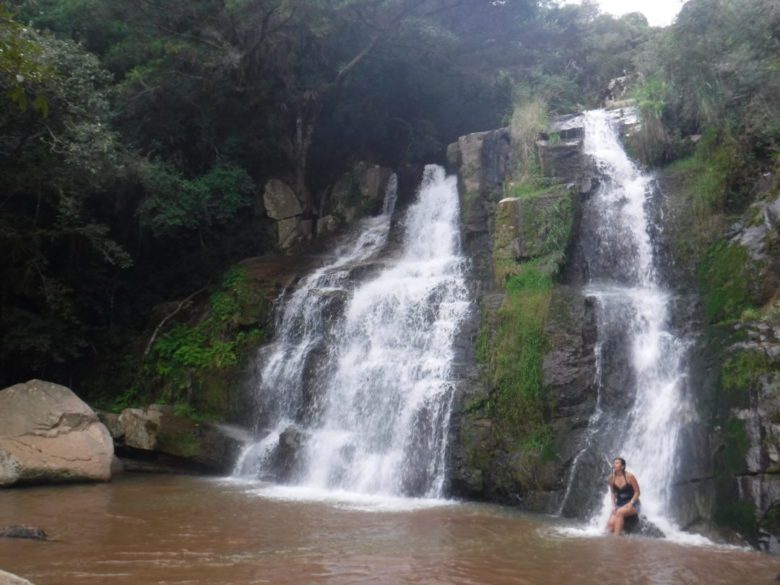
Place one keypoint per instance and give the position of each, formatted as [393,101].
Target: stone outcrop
[47,434]
[156,433]
[282,205]
[280,200]
[731,484]
[357,193]
[534,226]
[288,453]
[482,161]
[505,237]
[746,437]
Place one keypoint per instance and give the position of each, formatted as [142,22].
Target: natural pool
[183,530]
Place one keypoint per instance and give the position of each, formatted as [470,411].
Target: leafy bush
[175,203]
[217,342]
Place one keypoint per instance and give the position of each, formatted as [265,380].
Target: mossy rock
[771,520]
[739,516]
[725,276]
[741,371]
[730,460]
[530,228]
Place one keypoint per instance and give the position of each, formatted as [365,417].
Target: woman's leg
[620,517]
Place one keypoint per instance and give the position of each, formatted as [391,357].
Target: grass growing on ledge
[518,401]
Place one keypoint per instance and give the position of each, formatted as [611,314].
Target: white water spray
[631,300]
[377,414]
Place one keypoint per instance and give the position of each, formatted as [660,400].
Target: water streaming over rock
[357,387]
[641,407]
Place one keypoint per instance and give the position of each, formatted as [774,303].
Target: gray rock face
[483,465]
[483,161]
[569,375]
[111,420]
[48,435]
[156,429]
[759,233]
[359,192]
[327,225]
[618,91]
[562,160]
[288,233]
[280,200]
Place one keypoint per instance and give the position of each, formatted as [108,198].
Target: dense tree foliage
[136,135]
[715,73]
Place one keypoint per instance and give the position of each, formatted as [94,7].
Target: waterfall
[642,405]
[361,371]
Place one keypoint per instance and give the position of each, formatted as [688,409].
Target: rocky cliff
[517,427]
[523,414]
[733,456]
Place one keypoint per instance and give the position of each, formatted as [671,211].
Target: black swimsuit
[624,494]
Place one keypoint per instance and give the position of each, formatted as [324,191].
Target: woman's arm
[612,493]
[635,485]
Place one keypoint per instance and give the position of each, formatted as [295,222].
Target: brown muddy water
[182,530]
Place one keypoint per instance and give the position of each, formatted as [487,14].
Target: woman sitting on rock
[624,490]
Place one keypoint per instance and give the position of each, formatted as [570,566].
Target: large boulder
[158,430]
[47,434]
[280,200]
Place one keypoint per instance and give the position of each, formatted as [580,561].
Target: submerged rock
[641,526]
[28,532]
[288,454]
[48,435]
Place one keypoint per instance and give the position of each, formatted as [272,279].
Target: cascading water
[364,374]
[641,407]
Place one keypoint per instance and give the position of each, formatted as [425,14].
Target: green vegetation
[736,445]
[511,345]
[741,372]
[184,359]
[519,346]
[725,276]
[21,64]
[136,137]
[529,118]
[739,516]
[193,364]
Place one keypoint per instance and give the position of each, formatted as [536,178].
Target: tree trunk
[306,120]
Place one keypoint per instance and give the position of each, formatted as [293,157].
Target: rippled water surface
[159,529]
